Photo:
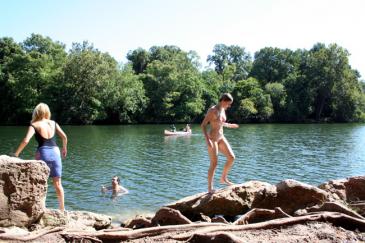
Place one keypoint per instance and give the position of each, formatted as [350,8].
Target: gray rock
[75,219]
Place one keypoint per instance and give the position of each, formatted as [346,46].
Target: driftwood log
[337,219]
[32,236]
[198,231]
[259,214]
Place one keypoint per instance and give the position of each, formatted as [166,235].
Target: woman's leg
[213,155]
[59,191]
[226,149]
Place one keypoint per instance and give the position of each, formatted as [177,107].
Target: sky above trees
[117,27]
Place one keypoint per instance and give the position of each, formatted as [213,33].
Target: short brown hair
[226,97]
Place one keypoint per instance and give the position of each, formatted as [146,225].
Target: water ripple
[158,169]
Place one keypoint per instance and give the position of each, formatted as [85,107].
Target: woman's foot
[226,181]
[210,192]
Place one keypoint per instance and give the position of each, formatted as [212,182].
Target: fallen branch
[140,233]
[205,230]
[80,238]
[31,236]
[260,214]
[335,207]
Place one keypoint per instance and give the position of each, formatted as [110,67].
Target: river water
[158,169]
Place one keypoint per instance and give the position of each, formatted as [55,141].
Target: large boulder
[349,190]
[75,219]
[169,216]
[290,196]
[23,190]
[230,201]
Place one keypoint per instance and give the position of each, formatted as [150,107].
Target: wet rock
[23,189]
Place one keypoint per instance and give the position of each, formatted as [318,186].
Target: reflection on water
[158,169]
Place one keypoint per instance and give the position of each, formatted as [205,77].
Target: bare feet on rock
[211,191]
[226,181]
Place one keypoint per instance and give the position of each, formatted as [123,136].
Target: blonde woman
[216,142]
[45,131]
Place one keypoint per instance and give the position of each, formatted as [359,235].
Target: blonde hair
[41,111]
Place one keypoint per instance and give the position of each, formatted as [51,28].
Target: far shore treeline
[168,85]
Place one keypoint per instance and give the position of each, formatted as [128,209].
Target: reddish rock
[169,216]
[219,219]
[291,195]
[138,222]
[230,201]
[351,189]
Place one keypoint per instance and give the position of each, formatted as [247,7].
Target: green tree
[348,99]
[89,79]
[278,95]
[324,68]
[252,103]
[10,53]
[127,101]
[139,59]
[273,65]
[231,56]
[174,86]
[299,99]
[32,72]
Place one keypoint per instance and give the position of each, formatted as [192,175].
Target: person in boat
[45,131]
[187,128]
[216,141]
[115,187]
[172,128]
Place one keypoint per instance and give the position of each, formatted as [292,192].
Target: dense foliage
[166,84]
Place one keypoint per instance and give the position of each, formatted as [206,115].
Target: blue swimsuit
[49,152]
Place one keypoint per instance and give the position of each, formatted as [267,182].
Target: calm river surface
[158,170]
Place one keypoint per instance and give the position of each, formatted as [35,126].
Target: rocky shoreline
[254,211]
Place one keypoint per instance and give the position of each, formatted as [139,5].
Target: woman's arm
[63,136]
[204,124]
[230,125]
[25,141]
